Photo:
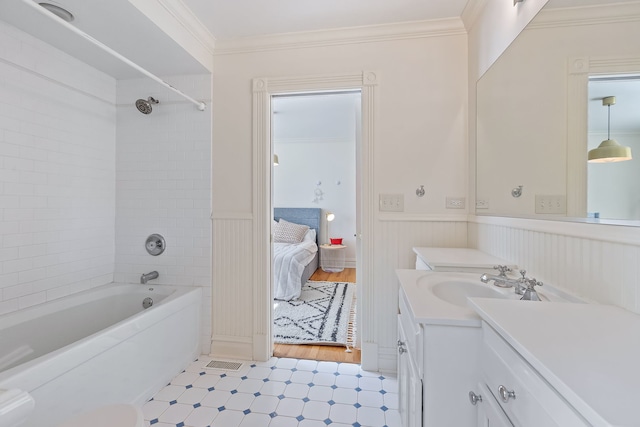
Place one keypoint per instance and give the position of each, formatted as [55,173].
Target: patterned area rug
[319,316]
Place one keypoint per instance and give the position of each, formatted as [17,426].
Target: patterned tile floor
[277,393]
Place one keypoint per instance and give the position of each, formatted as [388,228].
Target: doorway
[263,88]
[314,139]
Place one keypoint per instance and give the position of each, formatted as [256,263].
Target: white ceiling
[228,19]
[115,23]
[121,26]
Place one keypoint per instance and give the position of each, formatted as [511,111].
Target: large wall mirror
[540,110]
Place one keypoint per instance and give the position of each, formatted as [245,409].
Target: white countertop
[459,258]
[589,353]
[426,308]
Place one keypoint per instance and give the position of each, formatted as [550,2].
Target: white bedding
[289,261]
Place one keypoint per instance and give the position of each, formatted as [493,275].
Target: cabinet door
[409,384]
[415,394]
[403,378]
[489,412]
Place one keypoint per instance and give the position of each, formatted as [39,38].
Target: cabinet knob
[474,398]
[505,394]
[402,350]
[400,343]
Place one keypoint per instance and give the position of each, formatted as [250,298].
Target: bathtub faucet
[148,276]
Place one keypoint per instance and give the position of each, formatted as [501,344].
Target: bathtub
[98,347]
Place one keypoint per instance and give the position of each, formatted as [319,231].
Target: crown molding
[472,11]
[587,15]
[342,36]
[185,17]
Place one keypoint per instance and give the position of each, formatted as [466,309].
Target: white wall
[315,139]
[420,138]
[57,168]
[163,177]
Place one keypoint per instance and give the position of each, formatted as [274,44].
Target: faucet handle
[523,273]
[503,269]
[531,283]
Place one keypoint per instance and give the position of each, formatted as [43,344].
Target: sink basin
[457,291]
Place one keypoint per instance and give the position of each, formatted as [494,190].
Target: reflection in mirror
[534,116]
[614,188]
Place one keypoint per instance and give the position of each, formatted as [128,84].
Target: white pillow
[288,232]
[310,235]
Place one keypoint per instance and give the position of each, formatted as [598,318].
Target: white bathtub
[99,347]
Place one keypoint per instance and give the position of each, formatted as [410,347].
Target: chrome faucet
[148,276]
[530,293]
[501,280]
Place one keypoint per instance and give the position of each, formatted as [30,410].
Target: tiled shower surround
[163,185]
[277,393]
[85,178]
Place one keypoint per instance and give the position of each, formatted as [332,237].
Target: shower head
[144,105]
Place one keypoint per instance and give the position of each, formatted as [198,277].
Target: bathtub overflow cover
[155,244]
[147,302]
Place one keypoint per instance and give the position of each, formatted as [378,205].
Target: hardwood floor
[346,275]
[322,352]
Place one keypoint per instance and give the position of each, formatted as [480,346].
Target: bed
[294,263]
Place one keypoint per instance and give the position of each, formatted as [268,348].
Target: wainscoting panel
[232,313]
[393,250]
[596,269]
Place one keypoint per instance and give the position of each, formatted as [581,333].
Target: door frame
[263,89]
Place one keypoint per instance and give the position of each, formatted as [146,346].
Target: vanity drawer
[412,330]
[535,403]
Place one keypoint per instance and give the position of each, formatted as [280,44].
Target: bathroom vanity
[441,345]
[558,364]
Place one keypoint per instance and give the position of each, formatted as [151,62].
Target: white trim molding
[263,89]
[342,36]
[586,15]
[590,229]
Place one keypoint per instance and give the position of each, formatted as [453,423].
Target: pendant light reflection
[276,161]
[609,151]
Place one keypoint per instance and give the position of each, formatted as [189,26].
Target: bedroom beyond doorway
[315,144]
[329,353]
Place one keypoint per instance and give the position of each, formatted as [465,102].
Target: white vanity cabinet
[437,366]
[524,396]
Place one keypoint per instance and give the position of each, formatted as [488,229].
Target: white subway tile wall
[57,173]
[85,177]
[163,185]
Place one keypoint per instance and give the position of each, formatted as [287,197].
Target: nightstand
[332,258]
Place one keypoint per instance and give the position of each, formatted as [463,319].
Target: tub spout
[148,276]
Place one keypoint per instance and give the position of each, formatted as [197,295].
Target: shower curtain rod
[201,105]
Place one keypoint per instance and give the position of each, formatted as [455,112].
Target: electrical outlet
[455,202]
[391,203]
[482,204]
[554,204]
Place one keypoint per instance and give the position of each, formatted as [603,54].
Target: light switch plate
[455,202]
[482,204]
[391,203]
[551,204]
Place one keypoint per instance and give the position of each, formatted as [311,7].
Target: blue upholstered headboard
[305,216]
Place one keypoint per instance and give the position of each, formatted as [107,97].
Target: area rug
[319,316]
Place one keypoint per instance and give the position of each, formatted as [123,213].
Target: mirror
[538,115]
